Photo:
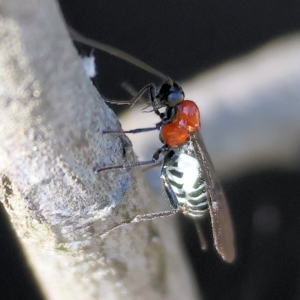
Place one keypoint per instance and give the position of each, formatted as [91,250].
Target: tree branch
[50,137]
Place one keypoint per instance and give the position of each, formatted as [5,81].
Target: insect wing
[219,211]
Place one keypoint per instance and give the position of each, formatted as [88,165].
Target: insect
[187,173]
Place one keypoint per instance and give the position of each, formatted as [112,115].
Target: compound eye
[176,95]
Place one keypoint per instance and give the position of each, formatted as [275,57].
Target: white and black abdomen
[184,184]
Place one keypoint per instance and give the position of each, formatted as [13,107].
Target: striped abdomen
[184,178]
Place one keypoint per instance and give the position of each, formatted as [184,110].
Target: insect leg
[145,217]
[133,92]
[154,160]
[168,160]
[148,87]
[202,239]
[138,130]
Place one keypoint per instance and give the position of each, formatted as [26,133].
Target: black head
[170,95]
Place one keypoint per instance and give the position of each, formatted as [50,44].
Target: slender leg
[126,166]
[158,163]
[154,160]
[145,217]
[202,239]
[149,87]
[152,94]
[138,130]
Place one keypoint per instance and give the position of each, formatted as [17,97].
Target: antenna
[116,52]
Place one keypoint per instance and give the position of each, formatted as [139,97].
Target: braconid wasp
[187,173]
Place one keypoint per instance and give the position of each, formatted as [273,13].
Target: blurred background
[240,61]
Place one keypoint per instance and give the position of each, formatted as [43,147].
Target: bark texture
[51,119]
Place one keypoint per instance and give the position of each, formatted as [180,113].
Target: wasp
[187,174]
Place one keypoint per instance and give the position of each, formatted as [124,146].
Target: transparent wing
[219,211]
